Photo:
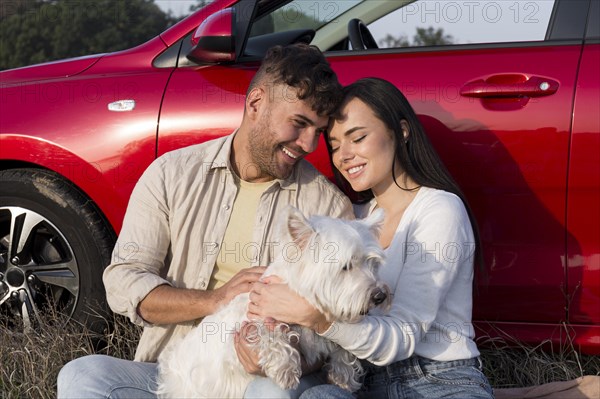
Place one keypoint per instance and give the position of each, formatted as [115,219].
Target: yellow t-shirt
[237,249]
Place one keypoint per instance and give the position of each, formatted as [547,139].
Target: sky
[466,20]
[178,7]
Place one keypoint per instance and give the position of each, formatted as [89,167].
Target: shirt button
[226,207]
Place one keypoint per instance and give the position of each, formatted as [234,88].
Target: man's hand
[240,283]
[246,353]
[170,305]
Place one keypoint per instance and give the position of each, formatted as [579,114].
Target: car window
[442,22]
[593,27]
[301,14]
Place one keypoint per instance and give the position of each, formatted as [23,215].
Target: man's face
[285,132]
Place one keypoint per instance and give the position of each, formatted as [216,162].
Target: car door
[583,209]
[497,106]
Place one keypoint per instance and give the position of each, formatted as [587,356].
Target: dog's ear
[375,221]
[299,228]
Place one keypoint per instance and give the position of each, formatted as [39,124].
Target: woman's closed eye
[359,139]
[353,141]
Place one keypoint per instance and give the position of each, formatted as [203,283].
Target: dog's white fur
[335,270]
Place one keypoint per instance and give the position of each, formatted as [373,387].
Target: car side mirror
[213,41]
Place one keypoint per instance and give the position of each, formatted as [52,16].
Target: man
[201,220]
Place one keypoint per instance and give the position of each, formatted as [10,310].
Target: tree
[390,41]
[431,37]
[14,7]
[423,37]
[55,29]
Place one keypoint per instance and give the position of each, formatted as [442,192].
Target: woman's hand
[271,299]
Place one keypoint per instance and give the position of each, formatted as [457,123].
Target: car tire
[54,246]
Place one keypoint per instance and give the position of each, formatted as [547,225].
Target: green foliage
[38,31]
[431,37]
[390,41]
[423,37]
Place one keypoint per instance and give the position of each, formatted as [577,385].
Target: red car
[509,93]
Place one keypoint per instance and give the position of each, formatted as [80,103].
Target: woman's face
[363,148]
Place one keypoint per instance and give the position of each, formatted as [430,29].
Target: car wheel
[54,246]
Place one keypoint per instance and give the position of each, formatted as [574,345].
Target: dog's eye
[347,266]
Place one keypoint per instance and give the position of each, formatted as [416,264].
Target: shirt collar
[223,160]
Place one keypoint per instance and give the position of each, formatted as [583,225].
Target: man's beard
[263,151]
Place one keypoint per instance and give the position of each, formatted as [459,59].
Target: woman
[424,346]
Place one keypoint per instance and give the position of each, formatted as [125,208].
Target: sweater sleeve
[422,263]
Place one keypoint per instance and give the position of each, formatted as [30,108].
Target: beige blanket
[581,388]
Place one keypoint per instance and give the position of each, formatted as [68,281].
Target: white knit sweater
[429,270]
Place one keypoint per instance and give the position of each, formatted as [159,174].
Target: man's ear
[299,228]
[254,100]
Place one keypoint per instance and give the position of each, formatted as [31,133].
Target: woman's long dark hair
[416,155]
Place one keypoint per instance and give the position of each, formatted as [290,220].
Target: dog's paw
[287,377]
[345,379]
[282,363]
[344,370]
[284,371]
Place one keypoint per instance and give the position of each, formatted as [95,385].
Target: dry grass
[29,363]
[511,364]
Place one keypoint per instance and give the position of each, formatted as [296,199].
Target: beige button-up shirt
[176,220]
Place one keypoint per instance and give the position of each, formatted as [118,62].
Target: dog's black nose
[378,296]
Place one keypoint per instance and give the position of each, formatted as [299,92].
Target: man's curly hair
[304,68]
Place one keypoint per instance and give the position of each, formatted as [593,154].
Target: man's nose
[308,140]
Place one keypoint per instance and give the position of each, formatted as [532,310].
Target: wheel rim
[39,273]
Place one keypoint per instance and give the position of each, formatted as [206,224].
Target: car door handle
[122,106]
[510,85]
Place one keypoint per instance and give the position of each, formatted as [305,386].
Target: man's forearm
[170,305]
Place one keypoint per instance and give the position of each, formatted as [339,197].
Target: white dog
[334,268]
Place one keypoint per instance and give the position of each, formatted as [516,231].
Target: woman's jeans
[415,377]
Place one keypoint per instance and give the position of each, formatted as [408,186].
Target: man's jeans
[265,388]
[98,376]
[415,377]
[105,377]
